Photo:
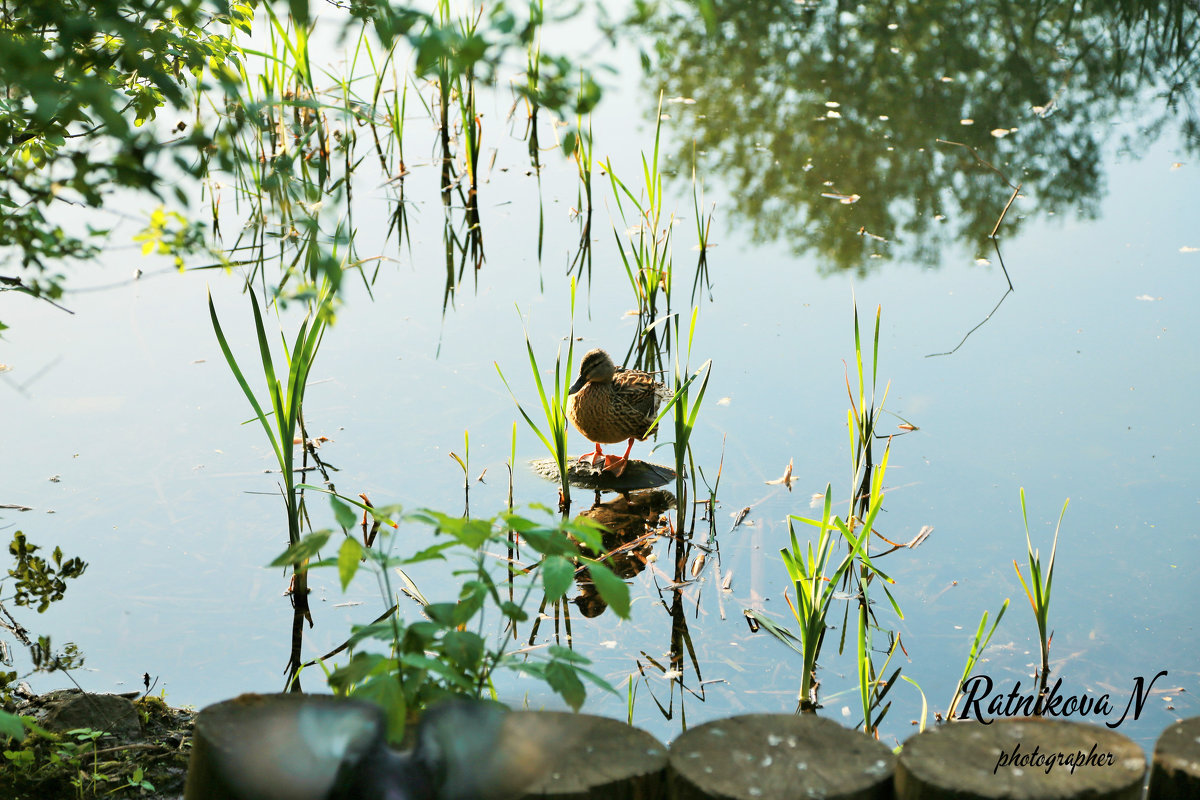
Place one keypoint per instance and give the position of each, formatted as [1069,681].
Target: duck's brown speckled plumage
[608,404]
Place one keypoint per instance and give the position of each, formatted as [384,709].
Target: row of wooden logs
[781,756]
[764,757]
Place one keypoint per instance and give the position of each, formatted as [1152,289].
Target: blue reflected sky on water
[1081,385]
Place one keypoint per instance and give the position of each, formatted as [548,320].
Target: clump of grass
[1038,591]
[554,406]
[647,257]
[815,587]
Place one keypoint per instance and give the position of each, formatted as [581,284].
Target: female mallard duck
[608,405]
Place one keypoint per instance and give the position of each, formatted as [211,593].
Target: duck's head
[596,367]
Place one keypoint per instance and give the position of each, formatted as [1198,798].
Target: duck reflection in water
[633,521]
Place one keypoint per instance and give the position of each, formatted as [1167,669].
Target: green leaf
[302,550]
[344,514]
[429,553]
[464,648]
[557,574]
[562,678]
[550,541]
[361,666]
[423,633]
[587,531]
[425,662]
[612,589]
[442,613]
[11,725]
[385,630]
[386,692]
[471,532]
[513,611]
[567,654]
[349,557]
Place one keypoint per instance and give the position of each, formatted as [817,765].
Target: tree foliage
[81,80]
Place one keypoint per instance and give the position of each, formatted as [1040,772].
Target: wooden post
[1020,759]
[603,759]
[1175,774]
[778,757]
[262,747]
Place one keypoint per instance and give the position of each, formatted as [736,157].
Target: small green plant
[978,643]
[1038,591]
[81,763]
[37,580]
[137,780]
[448,651]
[464,463]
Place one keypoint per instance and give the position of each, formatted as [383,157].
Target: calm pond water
[124,429]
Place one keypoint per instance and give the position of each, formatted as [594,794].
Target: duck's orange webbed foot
[596,457]
[615,464]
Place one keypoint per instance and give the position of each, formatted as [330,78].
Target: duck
[609,404]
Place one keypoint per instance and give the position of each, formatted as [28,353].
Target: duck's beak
[578,384]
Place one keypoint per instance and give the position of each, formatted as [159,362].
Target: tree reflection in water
[826,116]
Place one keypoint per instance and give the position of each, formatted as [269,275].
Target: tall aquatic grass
[865,504]
[285,401]
[284,143]
[818,577]
[863,416]
[685,410]
[703,223]
[533,74]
